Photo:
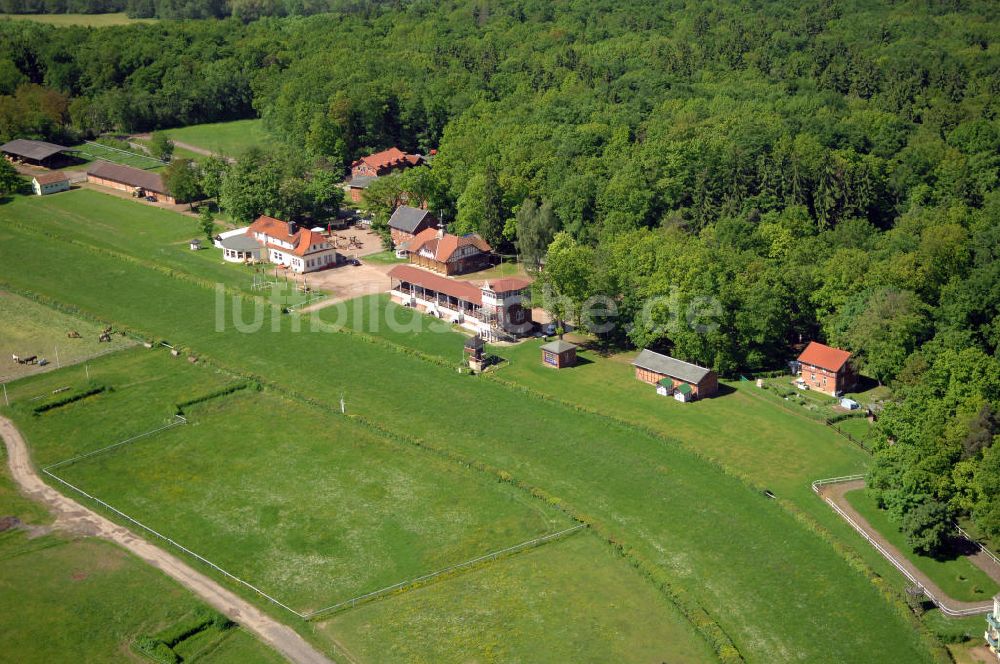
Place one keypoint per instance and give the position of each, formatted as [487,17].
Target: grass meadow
[86,20]
[306,505]
[228,138]
[28,328]
[570,601]
[87,600]
[142,232]
[776,588]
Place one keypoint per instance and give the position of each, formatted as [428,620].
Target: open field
[87,600]
[744,560]
[572,601]
[28,328]
[956,576]
[312,517]
[228,138]
[88,20]
[91,152]
[187,457]
[143,232]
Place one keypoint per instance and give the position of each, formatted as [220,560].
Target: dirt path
[73,517]
[835,494]
[179,144]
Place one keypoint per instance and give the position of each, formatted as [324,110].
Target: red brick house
[670,373]
[826,369]
[385,162]
[407,222]
[446,253]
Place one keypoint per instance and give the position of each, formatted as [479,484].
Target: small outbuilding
[849,404]
[662,370]
[195,244]
[474,352]
[558,354]
[49,183]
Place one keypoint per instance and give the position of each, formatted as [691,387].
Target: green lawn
[28,328]
[229,138]
[143,232]
[753,568]
[313,513]
[571,601]
[89,20]
[958,577]
[77,599]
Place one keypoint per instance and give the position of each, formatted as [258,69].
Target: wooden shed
[558,354]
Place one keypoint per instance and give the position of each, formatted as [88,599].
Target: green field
[144,233]
[958,577]
[227,138]
[735,558]
[87,153]
[571,601]
[88,20]
[314,516]
[28,328]
[87,600]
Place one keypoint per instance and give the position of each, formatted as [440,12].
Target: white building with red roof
[298,249]
[496,311]
[827,369]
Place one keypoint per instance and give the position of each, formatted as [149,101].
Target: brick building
[826,369]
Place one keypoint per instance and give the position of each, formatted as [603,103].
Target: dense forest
[244,10]
[734,178]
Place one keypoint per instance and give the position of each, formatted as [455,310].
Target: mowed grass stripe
[758,571]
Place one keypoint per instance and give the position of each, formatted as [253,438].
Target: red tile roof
[824,357]
[387,159]
[463,290]
[508,284]
[278,229]
[50,178]
[443,247]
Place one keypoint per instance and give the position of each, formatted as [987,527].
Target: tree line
[733,178]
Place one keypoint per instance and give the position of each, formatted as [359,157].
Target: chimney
[440,232]
[293,228]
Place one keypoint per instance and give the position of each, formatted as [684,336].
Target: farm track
[75,518]
[835,493]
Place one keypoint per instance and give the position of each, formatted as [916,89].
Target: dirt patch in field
[9,523]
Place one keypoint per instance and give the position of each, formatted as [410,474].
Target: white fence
[984,608]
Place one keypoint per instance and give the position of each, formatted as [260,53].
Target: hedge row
[70,398]
[221,392]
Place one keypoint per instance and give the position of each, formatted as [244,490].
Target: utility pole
[86,368]
[5,399]
[57,358]
[343,406]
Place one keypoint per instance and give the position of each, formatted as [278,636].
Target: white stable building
[495,311]
[993,627]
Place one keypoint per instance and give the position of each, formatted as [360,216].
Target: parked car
[355,262]
[151,199]
[549,329]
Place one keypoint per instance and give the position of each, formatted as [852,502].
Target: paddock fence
[983,608]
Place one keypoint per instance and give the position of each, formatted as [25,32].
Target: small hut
[474,352]
[558,354]
[195,244]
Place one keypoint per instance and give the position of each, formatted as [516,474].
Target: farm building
[826,369]
[670,374]
[384,162]
[356,186]
[446,253]
[49,183]
[993,627]
[406,222]
[558,354]
[132,180]
[494,311]
[299,249]
[37,153]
